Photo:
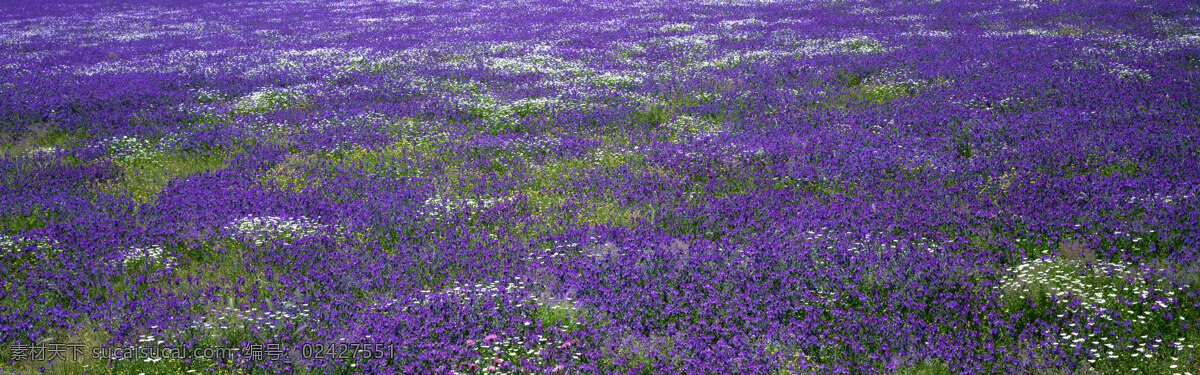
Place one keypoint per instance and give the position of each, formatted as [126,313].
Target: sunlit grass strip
[147,172]
[40,138]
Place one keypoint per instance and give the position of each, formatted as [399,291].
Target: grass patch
[40,137]
[292,174]
[505,118]
[80,342]
[795,362]
[552,196]
[1065,29]
[270,100]
[36,217]
[857,93]
[687,127]
[410,155]
[925,367]
[143,177]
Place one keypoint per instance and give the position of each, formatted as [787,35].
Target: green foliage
[37,137]
[36,217]
[143,177]
[270,100]
[925,367]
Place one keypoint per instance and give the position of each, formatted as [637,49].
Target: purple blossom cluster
[716,186]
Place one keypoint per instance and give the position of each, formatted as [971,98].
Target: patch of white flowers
[1026,4]
[528,291]
[272,128]
[1160,198]
[1126,72]
[43,151]
[235,318]
[131,148]
[690,128]
[617,79]
[149,254]
[865,10]
[692,42]
[207,96]
[439,207]
[862,44]
[1096,285]
[17,244]
[497,111]
[536,63]
[1115,292]
[267,99]
[729,24]
[260,229]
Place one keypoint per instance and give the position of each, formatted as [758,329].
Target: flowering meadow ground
[551,186]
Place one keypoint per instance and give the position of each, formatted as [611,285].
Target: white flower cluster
[131,148]
[207,96]
[494,111]
[267,99]
[541,145]
[149,254]
[825,238]
[865,10]
[464,292]
[11,244]
[271,129]
[616,79]
[910,18]
[692,42]
[498,349]
[928,33]
[735,153]
[852,45]
[536,63]
[42,151]
[438,207]
[1125,72]
[591,248]
[729,24]
[1161,198]
[690,128]
[259,229]
[894,76]
[234,317]
[1097,285]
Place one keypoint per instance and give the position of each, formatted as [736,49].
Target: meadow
[591,187]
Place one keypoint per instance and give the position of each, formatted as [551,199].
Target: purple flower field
[551,186]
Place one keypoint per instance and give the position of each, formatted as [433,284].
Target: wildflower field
[594,187]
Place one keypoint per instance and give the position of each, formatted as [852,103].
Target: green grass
[143,178]
[795,361]
[300,171]
[37,136]
[270,100]
[925,367]
[1066,29]
[36,217]
[549,189]
[506,118]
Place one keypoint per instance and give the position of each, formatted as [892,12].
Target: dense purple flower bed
[724,186]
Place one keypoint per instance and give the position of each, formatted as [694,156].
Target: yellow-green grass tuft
[142,178]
